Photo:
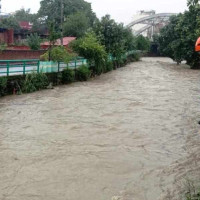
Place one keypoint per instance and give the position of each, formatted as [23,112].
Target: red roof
[66,41]
[25,25]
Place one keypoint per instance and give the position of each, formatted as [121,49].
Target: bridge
[152,23]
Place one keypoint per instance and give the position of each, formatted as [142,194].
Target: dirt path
[131,134]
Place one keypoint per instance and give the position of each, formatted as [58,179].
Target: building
[6,36]
[66,41]
[25,25]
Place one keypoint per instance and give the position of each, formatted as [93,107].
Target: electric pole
[61,21]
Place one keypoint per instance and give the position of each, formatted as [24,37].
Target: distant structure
[149,23]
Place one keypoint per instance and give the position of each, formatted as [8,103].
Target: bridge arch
[150,22]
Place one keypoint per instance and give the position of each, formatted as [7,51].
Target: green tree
[9,23]
[34,41]
[115,37]
[50,10]
[142,43]
[90,48]
[178,38]
[130,40]
[76,25]
[169,40]
[24,15]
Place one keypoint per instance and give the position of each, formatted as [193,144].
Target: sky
[120,10]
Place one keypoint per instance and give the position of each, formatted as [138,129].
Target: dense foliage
[34,82]
[142,43]
[34,41]
[9,23]
[50,10]
[83,73]
[57,54]
[178,38]
[116,38]
[76,25]
[90,48]
[68,75]
[3,85]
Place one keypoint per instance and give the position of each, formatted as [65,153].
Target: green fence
[15,67]
[22,67]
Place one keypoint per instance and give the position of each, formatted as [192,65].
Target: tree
[9,23]
[169,40]
[115,37]
[53,35]
[24,15]
[76,24]
[34,41]
[178,38]
[90,48]
[142,43]
[130,40]
[50,10]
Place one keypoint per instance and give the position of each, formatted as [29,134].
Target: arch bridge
[151,24]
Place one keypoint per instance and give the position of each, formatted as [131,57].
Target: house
[24,25]
[66,41]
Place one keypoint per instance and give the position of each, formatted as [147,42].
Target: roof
[66,41]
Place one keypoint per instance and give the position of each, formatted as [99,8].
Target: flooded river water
[131,134]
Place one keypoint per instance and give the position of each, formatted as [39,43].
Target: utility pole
[61,21]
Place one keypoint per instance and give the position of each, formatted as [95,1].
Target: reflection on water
[131,134]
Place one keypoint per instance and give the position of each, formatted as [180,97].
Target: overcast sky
[120,10]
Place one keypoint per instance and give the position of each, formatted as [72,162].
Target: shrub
[142,43]
[57,54]
[109,66]
[3,85]
[136,56]
[34,41]
[34,82]
[45,56]
[68,75]
[83,73]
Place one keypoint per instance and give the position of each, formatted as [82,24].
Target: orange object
[197,46]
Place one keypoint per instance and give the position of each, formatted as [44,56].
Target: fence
[22,67]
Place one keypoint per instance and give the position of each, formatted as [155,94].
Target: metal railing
[22,67]
[18,67]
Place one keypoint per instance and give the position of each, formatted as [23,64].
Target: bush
[57,54]
[68,75]
[83,73]
[34,41]
[142,43]
[34,82]
[3,85]
[134,57]
[109,66]
[45,56]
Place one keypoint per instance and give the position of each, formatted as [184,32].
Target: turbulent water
[131,134]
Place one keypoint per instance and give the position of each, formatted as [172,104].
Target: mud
[131,134]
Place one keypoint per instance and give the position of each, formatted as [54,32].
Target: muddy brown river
[131,134]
